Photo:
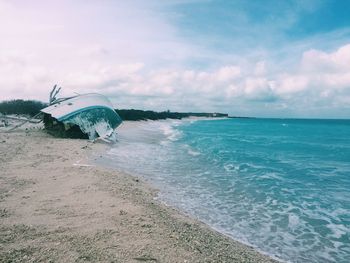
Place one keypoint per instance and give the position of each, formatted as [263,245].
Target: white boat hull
[93,113]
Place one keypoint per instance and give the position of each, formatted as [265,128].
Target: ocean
[279,185]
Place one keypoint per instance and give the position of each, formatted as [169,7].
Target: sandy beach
[55,206]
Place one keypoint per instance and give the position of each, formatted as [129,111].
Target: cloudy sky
[271,58]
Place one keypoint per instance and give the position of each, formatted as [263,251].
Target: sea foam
[283,189]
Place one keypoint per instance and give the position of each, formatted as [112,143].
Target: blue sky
[256,58]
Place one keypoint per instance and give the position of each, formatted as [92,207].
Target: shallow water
[282,186]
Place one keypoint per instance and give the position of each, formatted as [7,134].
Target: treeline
[137,115]
[32,107]
[26,107]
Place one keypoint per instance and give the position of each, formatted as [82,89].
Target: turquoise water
[282,186]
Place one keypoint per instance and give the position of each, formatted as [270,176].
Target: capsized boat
[93,114]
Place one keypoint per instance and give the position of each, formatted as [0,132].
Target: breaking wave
[283,189]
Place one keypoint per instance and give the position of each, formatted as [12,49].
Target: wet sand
[57,207]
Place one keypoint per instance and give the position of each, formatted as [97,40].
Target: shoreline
[56,206]
[135,125]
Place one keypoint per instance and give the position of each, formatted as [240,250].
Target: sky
[271,58]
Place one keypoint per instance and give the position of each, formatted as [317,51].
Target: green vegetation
[32,107]
[137,115]
[27,107]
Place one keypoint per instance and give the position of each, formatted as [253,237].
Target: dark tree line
[32,107]
[27,107]
[137,115]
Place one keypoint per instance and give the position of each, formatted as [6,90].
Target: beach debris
[145,258]
[77,163]
[5,118]
[122,212]
[4,212]
[7,121]
[3,121]
[25,121]
[86,147]
[53,94]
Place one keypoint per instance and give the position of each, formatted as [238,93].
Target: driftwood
[24,122]
[20,119]
[52,100]
[53,94]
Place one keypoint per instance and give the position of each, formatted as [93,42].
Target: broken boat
[89,116]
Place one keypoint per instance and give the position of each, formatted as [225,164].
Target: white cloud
[228,73]
[260,68]
[319,61]
[290,84]
[135,56]
[135,85]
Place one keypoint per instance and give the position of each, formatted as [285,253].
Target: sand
[56,207]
